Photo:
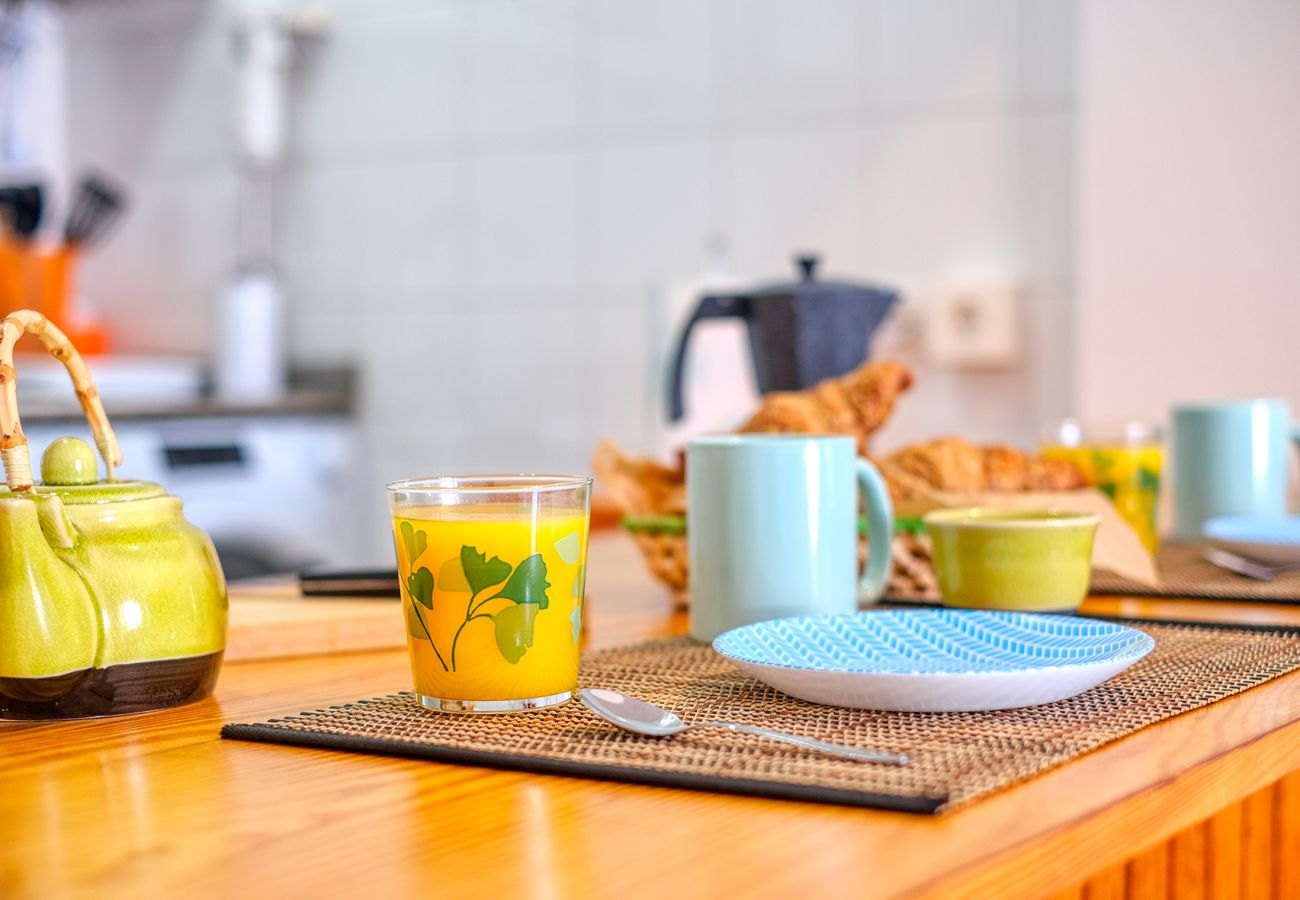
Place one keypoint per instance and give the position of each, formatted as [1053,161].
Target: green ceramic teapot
[110,601]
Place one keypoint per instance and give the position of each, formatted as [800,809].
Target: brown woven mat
[957,757]
[1183,573]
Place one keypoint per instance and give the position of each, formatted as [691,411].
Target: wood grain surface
[157,805]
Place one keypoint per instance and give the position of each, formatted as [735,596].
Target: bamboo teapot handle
[14,452]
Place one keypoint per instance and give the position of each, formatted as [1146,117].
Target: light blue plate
[1272,540]
[934,659]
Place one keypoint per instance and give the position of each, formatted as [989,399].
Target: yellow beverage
[492,594]
[1129,474]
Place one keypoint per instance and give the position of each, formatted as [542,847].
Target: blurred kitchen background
[486,220]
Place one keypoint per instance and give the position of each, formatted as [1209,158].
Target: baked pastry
[956,465]
[855,404]
[652,495]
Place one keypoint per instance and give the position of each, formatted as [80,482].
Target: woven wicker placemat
[1184,573]
[957,757]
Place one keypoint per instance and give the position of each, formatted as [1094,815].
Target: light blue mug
[772,528]
[1229,458]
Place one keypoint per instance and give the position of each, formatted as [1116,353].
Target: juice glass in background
[1123,460]
[492,570]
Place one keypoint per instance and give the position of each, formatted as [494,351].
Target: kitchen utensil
[23,205]
[653,721]
[110,601]
[1231,562]
[1123,460]
[349,583]
[95,206]
[492,570]
[773,528]
[1020,559]
[1269,540]
[934,660]
[799,333]
[1229,458]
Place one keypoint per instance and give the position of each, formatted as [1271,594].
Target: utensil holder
[44,280]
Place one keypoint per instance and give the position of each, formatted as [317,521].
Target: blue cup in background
[772,529]
[1229,458]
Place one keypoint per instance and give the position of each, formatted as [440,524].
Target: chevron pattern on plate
[933,641]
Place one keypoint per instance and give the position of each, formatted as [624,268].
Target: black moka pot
[800,333]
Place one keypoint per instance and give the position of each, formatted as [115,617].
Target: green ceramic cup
[1027,560]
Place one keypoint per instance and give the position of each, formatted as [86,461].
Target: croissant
[638,486]
[855,404]
[957,465]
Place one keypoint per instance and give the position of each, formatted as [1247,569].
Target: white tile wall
[938,56]
[650,70]
[486,200]
[649,208]
[784,63]
[797,191]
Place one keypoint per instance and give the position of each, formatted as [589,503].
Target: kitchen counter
[325,391]
[1206,804]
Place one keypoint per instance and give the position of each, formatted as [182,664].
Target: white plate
[934,660]
[1273,541]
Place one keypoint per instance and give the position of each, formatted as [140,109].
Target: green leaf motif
[579,582]
[414,627]
[569,548]
[420,586]
[415,541]
[1109,488]
[451,577]
[1148,480]
[514,630]
[481,572]
[528,584]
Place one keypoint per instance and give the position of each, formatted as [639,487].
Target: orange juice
[492,594]
[1129,474]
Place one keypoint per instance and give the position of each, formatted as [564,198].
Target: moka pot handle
[713,306]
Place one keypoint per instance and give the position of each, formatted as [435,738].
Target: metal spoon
[1235,562]
[648,719]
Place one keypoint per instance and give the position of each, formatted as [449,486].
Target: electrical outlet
[971,328]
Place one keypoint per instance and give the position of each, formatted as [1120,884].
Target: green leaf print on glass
[452,577]
[415,541]
[420,586]
[579,582]
[1148,481]
[525,587]
[569,548]
[514,630]
[575,618]
[528,583]
[414,625]
[481,572]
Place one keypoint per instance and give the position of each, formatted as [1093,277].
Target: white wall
[1189,166]
[485,198]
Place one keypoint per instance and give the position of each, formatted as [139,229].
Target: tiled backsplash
[486,198]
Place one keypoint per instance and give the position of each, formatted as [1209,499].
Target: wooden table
[1205,805]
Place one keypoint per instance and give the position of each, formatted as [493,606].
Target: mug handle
[880,532]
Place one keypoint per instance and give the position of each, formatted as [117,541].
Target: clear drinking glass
[492,569]
[1123,460]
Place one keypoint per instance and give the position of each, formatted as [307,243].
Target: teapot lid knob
[69,461]
[808,266]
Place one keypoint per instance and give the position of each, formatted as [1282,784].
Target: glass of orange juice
[492,570]
[1123,460]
